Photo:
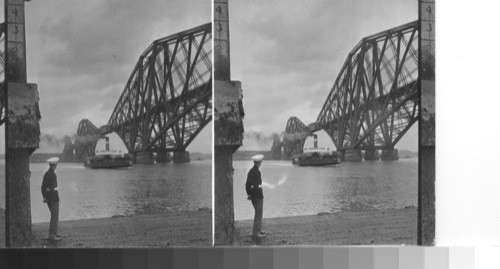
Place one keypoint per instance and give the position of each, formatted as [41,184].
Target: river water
[288,190]
[95,193]
[292,190]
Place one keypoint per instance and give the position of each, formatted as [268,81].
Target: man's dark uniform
[254,191]
[51,196]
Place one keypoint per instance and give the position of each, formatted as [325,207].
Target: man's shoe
[259,235]
[55,239]
[261,232]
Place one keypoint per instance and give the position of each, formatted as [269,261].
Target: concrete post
[18,208]
[228,125]
[228,137]
[22,128]
[223,196]
[427,143]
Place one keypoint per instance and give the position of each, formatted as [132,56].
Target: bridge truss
[167,99]
[295,135]
[86,139]
[374,100]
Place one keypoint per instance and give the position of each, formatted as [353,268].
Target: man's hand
[45,200]
[249,197]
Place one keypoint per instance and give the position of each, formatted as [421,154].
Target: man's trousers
[54,218]
[258,205]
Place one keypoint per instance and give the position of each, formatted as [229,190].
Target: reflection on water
[89,193]
[291,190]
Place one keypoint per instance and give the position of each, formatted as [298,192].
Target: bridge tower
[295,135]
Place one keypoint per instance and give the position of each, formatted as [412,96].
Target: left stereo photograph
[106,123]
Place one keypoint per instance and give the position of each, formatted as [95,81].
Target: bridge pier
[390,155]
[181,157]
[372,155]
[353,155]
[144,157]
[163,157]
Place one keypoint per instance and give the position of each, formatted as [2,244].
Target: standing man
[51,197]
[253,187]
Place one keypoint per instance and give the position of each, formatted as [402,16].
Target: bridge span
[166,101]
[373,101]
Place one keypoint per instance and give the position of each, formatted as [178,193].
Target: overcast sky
[81,53]
[288,53]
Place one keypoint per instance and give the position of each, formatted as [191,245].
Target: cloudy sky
[81,53]
[288,53]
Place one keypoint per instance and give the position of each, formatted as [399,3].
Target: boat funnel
[107,143]
[315,141]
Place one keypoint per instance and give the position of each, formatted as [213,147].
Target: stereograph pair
[226,123]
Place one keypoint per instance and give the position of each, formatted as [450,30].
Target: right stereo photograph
[324,122]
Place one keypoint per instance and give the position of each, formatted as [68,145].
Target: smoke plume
[254,140]
[50,143]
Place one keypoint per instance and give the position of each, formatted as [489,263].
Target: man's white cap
[53,160]
[258,158]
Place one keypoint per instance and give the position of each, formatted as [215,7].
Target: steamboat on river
[317,157]
[108,159]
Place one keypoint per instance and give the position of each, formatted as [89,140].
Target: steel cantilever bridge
[166,101]
[374,100]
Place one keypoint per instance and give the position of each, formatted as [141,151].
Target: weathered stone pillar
[372,155]
[144,157]
[163,157]
[228,137]
[181,157]
[18,208]
[223,195]
[22,129]
[353,155]
[228,126]
[389,155]
[427,126]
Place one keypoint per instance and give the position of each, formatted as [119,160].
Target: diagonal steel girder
[167,99]
[374,100]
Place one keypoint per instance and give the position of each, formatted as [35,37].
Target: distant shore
[383,227]
[42,157]
[247,154]
[186,228]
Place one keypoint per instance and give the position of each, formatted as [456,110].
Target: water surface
[292,190]
[95,193]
